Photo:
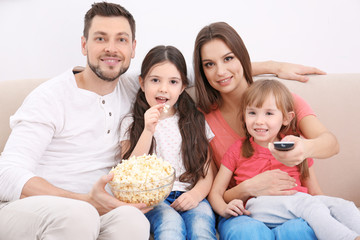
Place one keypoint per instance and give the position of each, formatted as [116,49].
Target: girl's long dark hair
[195,145]
[256,95]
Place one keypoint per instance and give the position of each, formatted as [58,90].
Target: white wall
[41,38]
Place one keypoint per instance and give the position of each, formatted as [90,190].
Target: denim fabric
[167,223]
[245,227]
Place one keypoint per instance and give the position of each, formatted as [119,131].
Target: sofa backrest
[335,99]
[12,94]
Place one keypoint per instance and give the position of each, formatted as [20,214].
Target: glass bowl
[151,193]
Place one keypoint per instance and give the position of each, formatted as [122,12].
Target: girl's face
[264,123]
[222,68]
[163,84]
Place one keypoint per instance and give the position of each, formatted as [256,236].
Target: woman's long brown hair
[195,145]
[208,97]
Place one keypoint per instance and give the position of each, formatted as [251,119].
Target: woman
[222,73]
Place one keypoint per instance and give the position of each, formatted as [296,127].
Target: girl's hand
[235,208]
[186,201]
[292,157]
[151,117]
[271,182]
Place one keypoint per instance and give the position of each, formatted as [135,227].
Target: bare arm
[191,198]
[284,70]
[234,207]
[272,182]
[98,197]
[151,118]
[318,143]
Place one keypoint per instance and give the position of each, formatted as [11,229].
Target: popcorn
[166,108]
[144,179]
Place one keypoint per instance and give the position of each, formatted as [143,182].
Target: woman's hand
[271,182]
[295,71]
[292,157]
[186,201]
[235,208]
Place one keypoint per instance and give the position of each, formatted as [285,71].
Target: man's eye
[123,40]
[99,39]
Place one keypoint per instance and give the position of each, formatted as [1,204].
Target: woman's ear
[141,81]
[287,118]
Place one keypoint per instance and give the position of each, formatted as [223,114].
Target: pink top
[225,136]
[262,160]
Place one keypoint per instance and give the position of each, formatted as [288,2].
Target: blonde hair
[256,95]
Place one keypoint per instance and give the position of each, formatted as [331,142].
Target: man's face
[109,47]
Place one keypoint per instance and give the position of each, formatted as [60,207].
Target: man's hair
[105,9]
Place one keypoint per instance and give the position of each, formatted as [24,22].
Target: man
[64,139]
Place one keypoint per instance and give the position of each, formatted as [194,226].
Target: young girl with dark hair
[179,135]
[268,115]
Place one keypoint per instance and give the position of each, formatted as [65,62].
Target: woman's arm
[284,70]
[272,182]
[318,143]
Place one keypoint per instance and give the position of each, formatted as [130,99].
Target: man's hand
[104,202]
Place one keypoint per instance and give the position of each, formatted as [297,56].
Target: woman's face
[222,68]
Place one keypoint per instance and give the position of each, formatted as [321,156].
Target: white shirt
[168,144]
[66,135]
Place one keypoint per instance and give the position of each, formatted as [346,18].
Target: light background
[41,38]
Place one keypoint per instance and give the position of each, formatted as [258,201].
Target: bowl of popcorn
[143,179]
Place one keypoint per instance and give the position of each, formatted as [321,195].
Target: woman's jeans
[167,223]
[245,227]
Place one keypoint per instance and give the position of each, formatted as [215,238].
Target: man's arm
[284,70]
[98,197]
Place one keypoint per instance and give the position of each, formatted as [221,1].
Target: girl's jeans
[167,223]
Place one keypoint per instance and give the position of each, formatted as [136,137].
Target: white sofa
[335,99]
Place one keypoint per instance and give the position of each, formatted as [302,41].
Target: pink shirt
[262,160]
[225,136]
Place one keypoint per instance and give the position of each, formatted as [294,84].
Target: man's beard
[101,75]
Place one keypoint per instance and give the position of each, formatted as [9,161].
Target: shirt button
[110,114]
[108,131]
[103,101]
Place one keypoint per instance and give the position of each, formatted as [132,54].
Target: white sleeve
[210,135]
[32,130]
[124,127]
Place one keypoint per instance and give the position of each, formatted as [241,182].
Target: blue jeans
[245,227]
[167,223]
